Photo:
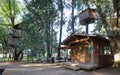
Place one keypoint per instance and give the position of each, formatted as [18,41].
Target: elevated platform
[77,66]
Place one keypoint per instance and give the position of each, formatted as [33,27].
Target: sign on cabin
[89,48]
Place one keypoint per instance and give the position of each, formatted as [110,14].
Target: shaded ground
[52,69]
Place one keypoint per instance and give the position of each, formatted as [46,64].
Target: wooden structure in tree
[87,16]
[15,35]
[88,51]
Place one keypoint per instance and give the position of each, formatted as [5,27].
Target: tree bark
[48,46]
[17,55]
[72,24]
[61,24]
[115,45]
[48,35]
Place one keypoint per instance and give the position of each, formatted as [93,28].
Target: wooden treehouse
[87,51]
[87,16]
[15,35]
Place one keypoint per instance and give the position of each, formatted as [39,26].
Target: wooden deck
[77,66]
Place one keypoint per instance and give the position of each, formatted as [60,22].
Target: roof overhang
[79,38]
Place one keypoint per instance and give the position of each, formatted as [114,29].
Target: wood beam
[79,41]
[75,42]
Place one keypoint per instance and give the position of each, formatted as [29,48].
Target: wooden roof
[16,26]
[87,9]
[82,38]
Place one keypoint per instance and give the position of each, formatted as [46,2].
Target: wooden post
[78,53]
[87,28]
[85,50]
[67,56]
[92,54]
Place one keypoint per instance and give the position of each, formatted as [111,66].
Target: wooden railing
[11,42]
[15,32]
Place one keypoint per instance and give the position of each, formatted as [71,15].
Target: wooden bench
[1,70]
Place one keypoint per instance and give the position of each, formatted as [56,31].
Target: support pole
[67,56]
[92,54]
[87,28]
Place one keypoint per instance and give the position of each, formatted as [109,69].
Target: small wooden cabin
[87,16]
[88,51]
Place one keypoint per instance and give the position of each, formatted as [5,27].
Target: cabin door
[95,52]
[89,56]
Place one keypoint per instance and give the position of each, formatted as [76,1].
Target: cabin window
[81,49]
[107,50]
[75,51]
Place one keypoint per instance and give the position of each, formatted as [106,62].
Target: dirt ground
[51,69]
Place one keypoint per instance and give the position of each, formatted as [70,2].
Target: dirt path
[51,69]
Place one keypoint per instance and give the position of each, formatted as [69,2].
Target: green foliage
[114,33]
[9,10]
[3,32]
[73,23]
[4,38]
[37,26]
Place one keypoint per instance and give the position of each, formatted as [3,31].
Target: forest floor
[51,69]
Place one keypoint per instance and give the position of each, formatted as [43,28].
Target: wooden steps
[77,66]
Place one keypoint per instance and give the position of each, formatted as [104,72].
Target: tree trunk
[48,34]
[61,24]
[51,40]
[9,55]
[115,44]
[21,56]
[17,55]
[48,47]
[73,17]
